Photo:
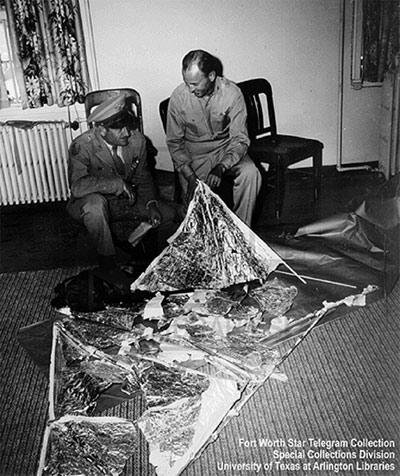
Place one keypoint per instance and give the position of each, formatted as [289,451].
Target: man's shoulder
[179,92]
[83,141]
[228,85]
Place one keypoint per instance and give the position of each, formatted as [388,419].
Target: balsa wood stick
[318,279]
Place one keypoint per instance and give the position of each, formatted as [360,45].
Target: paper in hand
[137,234]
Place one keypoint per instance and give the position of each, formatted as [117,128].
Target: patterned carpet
[343,384]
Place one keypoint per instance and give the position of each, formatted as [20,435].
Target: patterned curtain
[48,36]
[381,25]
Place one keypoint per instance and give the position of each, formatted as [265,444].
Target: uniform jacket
[204,132]
[91,167]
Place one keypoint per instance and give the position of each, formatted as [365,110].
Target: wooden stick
[321,280]
[293,272]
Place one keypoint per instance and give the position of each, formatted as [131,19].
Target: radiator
[33,162]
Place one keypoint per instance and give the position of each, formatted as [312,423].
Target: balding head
[199,71]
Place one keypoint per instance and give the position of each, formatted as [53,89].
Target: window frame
[357,48]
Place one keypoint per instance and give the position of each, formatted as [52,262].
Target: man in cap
[110,178]
[207,135]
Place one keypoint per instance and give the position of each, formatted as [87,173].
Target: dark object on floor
[360,246]
[326,376]
[86,292]
[277,150]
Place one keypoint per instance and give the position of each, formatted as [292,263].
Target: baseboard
[374,165]
[332,169]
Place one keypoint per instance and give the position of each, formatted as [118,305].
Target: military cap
[109,110]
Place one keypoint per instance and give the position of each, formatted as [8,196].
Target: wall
[293,43]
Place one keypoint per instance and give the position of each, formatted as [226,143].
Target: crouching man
[109,176]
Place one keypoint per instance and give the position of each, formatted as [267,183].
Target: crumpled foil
[212,249]
[89,446]
[80,373]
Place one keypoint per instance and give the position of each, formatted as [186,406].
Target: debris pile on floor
[209,335]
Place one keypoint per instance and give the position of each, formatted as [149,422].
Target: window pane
[7,65]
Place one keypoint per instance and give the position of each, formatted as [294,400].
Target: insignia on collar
[75,148]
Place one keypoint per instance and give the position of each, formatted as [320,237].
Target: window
[43,59]
[6,60]
[375,41]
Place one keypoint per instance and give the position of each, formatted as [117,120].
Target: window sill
[361,85]
[46,113]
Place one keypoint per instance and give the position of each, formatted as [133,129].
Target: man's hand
[129,192]
[154,215]
[192,184]
[214,177]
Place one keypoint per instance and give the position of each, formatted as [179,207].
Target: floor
[341,383]
[350,360]
[43,236]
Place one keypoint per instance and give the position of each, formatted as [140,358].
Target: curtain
[51,65]
[4,102]
[381,25]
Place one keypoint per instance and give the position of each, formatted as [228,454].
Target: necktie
[119,164]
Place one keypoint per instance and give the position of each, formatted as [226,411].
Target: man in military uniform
[207,135]
[110,178]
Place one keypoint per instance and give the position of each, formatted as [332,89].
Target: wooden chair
[94,98]
[163,110]
[277,150]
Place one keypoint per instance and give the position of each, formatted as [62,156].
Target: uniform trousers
[96,212]
[246,185]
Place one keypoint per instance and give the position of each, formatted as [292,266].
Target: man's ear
[212,75]
[102,130]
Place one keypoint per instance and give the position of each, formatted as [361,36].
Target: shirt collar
[217,86]
[110,148]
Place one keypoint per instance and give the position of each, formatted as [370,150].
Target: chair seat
[283,150]
[277,150]
[280,152]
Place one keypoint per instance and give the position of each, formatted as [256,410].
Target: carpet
[25,299]
[343,386]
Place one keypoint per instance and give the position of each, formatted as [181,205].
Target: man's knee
[95,205]
[246,170]
[168,212]
[255,176]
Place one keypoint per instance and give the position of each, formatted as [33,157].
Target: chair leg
[317,172]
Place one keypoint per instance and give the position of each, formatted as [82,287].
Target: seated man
[109,178]
[207,135]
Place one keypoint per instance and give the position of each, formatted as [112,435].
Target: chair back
[260,107]
[163,109]
[94,98]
